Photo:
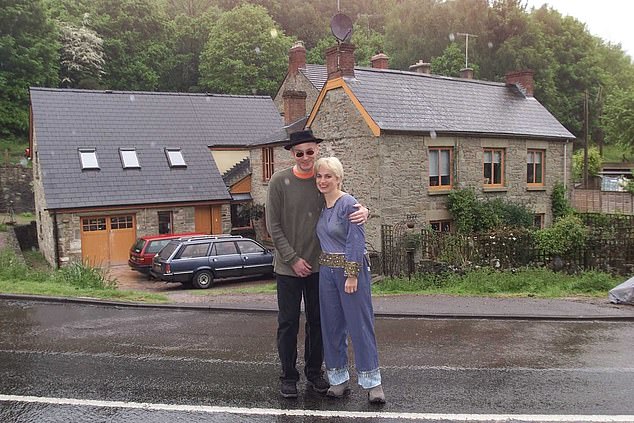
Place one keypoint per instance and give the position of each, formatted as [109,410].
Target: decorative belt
[350,268]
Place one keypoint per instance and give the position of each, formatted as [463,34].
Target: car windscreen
[167,251]
[156,245]
[138,245]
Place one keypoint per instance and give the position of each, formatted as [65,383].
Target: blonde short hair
[333,164]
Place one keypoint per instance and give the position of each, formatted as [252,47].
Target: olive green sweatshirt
[293,206]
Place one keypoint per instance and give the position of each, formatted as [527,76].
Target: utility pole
[466,55]
[586,142]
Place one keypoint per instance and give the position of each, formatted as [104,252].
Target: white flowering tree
[81,57]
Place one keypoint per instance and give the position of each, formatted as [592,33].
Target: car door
[255,258]
[225,260]
[191,257]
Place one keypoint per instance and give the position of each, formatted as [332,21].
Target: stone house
[408,138]
[109,166]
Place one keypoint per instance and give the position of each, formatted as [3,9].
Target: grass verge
[528,282]
[75,280]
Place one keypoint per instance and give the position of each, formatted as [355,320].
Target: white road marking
[542,418]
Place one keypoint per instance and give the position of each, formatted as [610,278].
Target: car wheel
[203,279]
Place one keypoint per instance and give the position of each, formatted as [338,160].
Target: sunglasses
[299,154]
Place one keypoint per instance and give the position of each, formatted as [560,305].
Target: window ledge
[494,189]
[442,191]
[536,188]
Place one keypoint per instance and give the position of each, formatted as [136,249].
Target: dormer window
[88,158]
[129,159]
[175,157]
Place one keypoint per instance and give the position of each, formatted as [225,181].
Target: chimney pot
[380,61]
[340,60]
[294,105]
[523,79]
[296,57]
[421,67]
[466,73]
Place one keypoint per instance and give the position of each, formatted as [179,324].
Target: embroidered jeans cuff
[338,376]
[369,379]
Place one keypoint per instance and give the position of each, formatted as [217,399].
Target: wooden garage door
[106,240]
[208,219]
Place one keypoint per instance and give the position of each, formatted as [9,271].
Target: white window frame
[175,157]
[88,158]
[129,158]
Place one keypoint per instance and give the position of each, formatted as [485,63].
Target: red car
[145,248]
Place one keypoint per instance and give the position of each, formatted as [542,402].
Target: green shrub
[559,203]
[595,162]
[566,235]
[81,276]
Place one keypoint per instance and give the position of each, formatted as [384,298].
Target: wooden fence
[597,201]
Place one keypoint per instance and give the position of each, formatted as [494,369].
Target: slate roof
[409,101]
[65,120]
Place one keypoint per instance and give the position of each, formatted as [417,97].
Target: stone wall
[297,82]
[15,189]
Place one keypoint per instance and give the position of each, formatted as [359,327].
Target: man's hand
[360,216]
[302,268]
[351,285]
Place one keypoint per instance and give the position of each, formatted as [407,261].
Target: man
[292,209]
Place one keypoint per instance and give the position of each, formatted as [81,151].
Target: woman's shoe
[376,395]
[338,391]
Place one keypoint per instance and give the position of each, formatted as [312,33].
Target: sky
[607,19]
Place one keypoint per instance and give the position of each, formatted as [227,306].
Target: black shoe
[318,384]
[288,389]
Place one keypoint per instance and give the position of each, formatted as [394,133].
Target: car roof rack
[217,236]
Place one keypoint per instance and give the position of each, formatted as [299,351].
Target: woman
[344,289]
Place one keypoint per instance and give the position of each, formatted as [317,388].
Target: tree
[137,43]
[451,62]
[246,53]
[82,57]
[618,118]
[28,57]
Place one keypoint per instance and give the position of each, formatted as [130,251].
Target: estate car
[145,248]
[201,259]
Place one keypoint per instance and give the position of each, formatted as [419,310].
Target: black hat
[301,137]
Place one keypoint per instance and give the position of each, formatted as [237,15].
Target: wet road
[92,363]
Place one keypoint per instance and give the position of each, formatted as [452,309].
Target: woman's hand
[351,285]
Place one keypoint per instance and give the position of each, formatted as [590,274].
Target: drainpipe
[56,239]
[566,163]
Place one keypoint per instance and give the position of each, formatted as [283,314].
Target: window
[224,248]
[121,222]
[93,224]
[441,225]
[493,167]
[538,221]
[267,163]
[440,165]
[129,158]
[165,222]
[88,158]
[175,157]
[240,215]
[247,247]
[195,250]
[535,167]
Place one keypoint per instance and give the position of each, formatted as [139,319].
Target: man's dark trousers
[290,292]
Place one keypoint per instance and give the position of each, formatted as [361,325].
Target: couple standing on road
[305,207]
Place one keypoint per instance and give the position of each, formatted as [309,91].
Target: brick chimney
[466,73]
[380,61]
[523,79]
[340,61]
[421,67]
[294,105]
[296,57]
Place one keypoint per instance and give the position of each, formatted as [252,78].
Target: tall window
[440,165]
[267,163]
[493,167]
[535,167]
[165,222]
